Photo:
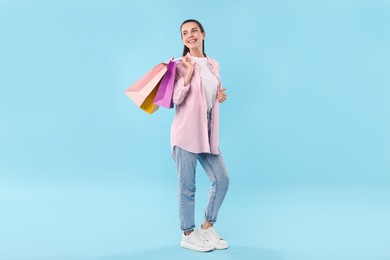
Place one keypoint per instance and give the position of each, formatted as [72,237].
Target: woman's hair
[186,50]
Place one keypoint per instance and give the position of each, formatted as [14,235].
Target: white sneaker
[212,236]
[196,242]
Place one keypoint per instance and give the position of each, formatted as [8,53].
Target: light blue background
[85,174]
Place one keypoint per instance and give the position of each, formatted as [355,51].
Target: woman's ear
[204,35]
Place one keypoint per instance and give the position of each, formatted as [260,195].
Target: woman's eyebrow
[191,29]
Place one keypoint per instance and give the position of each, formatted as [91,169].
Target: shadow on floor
[175,252]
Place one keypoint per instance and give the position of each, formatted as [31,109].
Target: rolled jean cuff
[188,229]
[208,220]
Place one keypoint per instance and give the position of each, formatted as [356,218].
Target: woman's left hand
[221,95]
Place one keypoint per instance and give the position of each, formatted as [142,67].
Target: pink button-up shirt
[190,126]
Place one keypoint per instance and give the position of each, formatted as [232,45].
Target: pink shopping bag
[143,91]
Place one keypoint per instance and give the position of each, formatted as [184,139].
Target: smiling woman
[190,35]
[194,136]
[304,136]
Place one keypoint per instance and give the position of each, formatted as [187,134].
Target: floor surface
[109,221]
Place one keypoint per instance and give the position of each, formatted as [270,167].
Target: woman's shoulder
[213,61]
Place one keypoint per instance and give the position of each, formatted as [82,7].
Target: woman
[194,136]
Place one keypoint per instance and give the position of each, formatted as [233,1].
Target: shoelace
[200,237]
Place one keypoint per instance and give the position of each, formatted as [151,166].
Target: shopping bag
[145,89]
[165,90]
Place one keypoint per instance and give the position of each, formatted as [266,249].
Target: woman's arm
[221,94]
[189,71]
[182,83]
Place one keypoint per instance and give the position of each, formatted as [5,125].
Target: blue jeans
[216,171]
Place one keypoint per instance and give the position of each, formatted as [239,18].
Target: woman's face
[192,36]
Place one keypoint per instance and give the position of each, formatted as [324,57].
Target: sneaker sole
[219,247]
[194,248]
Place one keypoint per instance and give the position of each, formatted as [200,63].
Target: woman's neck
[196,53]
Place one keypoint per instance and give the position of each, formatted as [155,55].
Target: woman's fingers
[221,96]
[187,63]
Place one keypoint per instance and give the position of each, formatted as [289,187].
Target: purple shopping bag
[165,90]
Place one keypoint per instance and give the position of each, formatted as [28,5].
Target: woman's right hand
[189,70]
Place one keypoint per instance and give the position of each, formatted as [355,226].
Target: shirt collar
[208,60]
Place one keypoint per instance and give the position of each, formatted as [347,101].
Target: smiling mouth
[192,41]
